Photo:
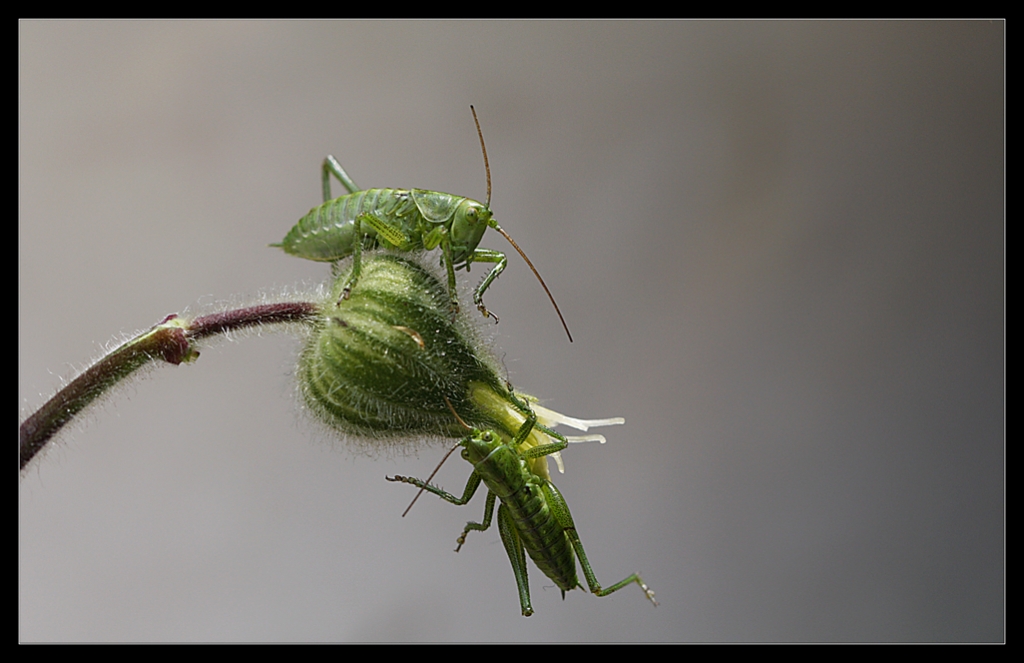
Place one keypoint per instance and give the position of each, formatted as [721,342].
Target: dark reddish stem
[171,341]
[265,314]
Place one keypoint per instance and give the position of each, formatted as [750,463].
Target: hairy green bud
[385,363]
[381,363]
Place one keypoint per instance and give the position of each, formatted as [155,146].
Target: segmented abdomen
[327,232]
[543,537]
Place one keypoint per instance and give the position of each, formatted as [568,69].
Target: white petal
[551,418]
[585,438]
[571,439]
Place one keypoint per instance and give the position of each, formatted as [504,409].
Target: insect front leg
[559,444]
[560,510]
[523,433]
[479,527]
[467,494]
[529,424]
[487,255]
[516,555]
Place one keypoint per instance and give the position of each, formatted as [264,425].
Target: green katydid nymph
[533,517]
[403,220]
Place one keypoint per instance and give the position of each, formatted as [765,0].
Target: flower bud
[384,363]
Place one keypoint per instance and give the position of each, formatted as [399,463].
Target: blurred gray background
[780,246]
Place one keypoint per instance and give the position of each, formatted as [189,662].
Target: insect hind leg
[561,512]
[357,254]
[332,167]
[516,555]
[390,235]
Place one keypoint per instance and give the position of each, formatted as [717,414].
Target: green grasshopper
[533,516]
[403,220]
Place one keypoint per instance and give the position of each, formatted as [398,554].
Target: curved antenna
[436,469]
[464,424]
[537,274]
[429,478]
[487,165]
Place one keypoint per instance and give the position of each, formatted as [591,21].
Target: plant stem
[172,340]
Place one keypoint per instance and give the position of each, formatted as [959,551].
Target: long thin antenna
[429,478]
[436,469]
[487,164]
[487,167]
[537,274]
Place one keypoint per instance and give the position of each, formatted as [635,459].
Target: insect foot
[487,314]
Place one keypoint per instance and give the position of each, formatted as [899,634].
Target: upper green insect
[403,220]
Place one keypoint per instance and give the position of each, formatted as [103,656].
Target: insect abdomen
[328,232]
[506,475]
[543,538]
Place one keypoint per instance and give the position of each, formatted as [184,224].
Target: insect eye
[471,214]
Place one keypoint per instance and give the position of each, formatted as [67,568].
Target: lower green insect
[533,516]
